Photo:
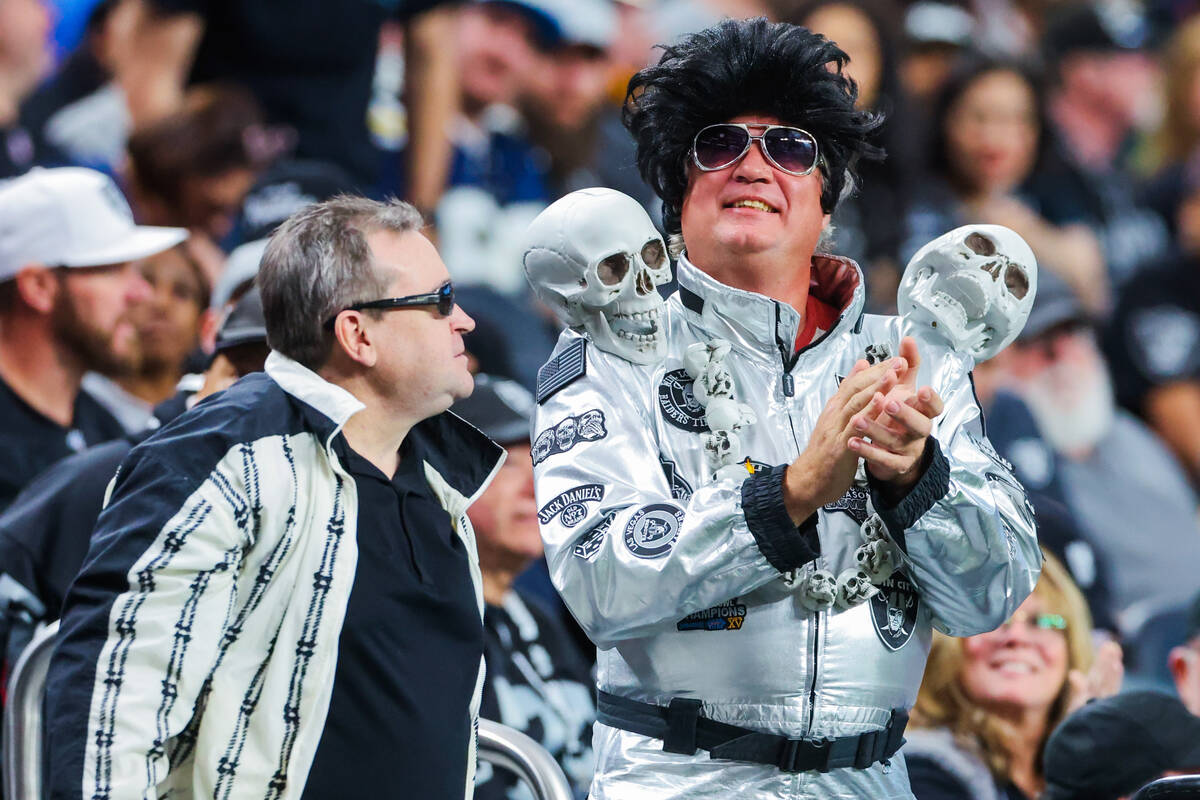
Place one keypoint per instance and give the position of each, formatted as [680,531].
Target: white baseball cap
[72,217]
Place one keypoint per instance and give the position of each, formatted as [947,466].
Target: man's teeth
[1015,666]
[755,204]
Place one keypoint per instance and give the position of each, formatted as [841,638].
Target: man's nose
[137,288]
[462,320]
[753,166]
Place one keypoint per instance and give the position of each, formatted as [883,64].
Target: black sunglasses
[790,149]
[442,300]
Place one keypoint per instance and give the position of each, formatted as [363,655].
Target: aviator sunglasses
[790,149]
[442,299]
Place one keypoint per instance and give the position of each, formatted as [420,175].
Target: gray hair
[318,263]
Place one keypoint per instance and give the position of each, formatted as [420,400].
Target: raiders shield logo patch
[678,403]
[652,530]
[894,611]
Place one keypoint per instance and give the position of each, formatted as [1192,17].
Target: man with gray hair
[282,598]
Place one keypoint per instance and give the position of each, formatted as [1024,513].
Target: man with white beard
[1127,491]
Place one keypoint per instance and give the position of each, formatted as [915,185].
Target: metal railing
[500,745]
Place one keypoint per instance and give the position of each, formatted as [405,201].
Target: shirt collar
[332,402]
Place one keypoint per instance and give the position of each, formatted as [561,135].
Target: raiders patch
[853,502]
[986,448]
[680,488]
[728,616]
[571,506]
[590,545]
[652,530]
[894,610]
[561,371]
[678,402]
[587,427]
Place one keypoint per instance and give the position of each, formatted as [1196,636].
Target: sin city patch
[727,616]
[653,529]
[678,404]
[571,506]
[894,611]
[561,437]
[589,545]
[853,503]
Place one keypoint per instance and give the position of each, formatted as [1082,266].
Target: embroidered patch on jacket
[565,434]
[853,502]
[589,545]
[652,530]
[571,506]
[561,371]
[894,611]
[680,488]
[727,616]
[985,447]
[678,402]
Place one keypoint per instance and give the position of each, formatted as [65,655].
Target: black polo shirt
[32,442]
[399,720]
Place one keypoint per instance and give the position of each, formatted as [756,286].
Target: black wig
[745,67]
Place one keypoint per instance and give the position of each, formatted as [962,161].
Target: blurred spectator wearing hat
[68,282]
[45,533]
[1109,748]
[1102,89]
[1127,492]
[25,58]
[537,679]
[1153,340]
[989,702]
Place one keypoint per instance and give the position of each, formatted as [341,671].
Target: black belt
[683,731]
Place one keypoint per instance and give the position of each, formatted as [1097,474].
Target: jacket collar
[759,322]
[333,405]
[464,457]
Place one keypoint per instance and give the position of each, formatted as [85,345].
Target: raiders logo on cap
[678,402]
[894,610]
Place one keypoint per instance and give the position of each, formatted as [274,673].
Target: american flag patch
[561,371]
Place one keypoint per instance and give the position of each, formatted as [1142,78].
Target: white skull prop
[596,259]
[853,587]
[878,560]
[819,591]
[722,448]
[727,414]
[974,286]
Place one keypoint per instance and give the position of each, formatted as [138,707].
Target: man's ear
[38,287]
[352,337]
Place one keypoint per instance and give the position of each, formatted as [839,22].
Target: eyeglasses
[1041,622]
[790,149]
[442,300]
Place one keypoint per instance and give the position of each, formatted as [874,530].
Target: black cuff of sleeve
[785,546]
[931,487]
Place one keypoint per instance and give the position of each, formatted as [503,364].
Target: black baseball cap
[1113,746]
[501,408]
[1055,304]
[245,324]
[1093,28]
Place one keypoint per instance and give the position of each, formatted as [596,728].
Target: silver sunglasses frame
[761,147]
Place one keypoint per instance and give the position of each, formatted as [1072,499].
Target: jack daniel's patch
[561,371]
[570,507]
[853,502]
[894,611]
[678,402]
[727,616]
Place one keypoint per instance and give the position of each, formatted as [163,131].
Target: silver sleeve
[639,557]
[974,553]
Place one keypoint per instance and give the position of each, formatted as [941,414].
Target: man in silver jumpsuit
[715,679]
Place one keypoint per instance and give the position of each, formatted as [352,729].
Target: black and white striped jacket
[199,642]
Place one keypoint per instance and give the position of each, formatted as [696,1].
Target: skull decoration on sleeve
[596,259]
[973,286]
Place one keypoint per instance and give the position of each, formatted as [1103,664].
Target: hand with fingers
[891,433]
[825,470]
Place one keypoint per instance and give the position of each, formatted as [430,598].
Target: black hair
[745,67]
[965,73]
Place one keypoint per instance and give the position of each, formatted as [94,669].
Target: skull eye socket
[980,244]
[1016,281]
[653,254]
[613,269]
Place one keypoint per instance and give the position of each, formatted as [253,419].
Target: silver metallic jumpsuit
[689,587]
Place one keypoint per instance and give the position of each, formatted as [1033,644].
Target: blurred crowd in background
[1077,125]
